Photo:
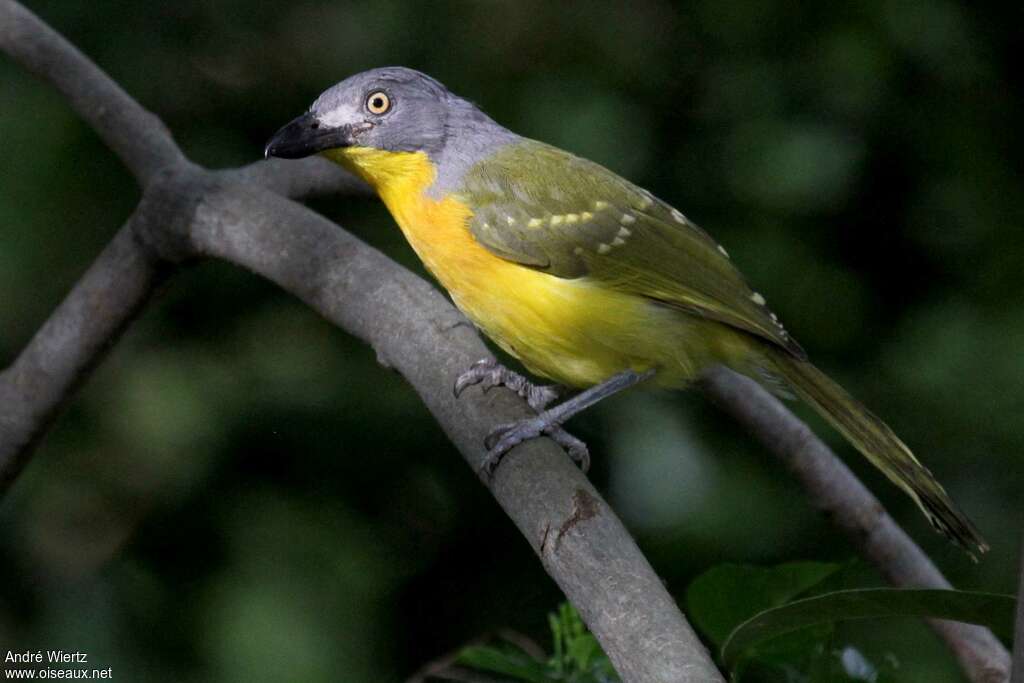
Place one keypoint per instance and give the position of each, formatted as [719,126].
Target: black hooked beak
[306,136]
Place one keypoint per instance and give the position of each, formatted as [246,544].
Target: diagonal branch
[70,343]
[836,491]
[300,178]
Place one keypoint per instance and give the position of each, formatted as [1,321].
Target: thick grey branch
[833,489]
[138,137]
[70,343]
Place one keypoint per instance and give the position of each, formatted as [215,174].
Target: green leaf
[989,609]
[725,596]
[577,658]
[518,665]
[577,654]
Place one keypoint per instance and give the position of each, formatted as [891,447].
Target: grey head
[394,109]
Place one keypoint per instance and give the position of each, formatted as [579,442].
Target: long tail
[880,445]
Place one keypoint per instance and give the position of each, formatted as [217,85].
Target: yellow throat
[436,228]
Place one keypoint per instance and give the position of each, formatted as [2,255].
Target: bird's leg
[549,423]
[489,373]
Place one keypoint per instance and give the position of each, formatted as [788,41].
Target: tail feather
[880,446]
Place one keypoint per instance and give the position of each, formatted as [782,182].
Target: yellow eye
[378,102]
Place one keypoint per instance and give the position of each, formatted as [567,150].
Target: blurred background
[240,493]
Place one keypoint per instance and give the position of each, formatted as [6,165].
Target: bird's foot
[489,373]
[507,436]
[549,422]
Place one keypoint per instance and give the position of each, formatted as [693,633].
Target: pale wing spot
[757,298]
[600,205]
[586,216]
[624,232]
[557,220]
[603,248]
[534,223]
[722,251]
[618,242]
[645,202]
[679,218]
[571,218]
[627,219]
[578,251]
[511,220]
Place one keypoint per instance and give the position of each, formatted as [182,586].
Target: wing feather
[547,209]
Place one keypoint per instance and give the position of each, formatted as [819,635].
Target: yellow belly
[572,331]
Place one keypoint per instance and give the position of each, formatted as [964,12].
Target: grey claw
[476,373]
[489,373]
[550,421]
[492,439]
[505,437]
[576,449]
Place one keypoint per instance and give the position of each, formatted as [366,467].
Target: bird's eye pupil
[378,103]
[315,125]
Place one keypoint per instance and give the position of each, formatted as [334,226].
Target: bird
[588,280]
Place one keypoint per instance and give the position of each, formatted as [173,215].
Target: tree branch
[300,178]
[70,343]
[833,489]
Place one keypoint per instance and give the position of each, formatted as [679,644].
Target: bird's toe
[505,437]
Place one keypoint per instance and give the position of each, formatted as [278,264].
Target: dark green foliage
[988,609]
[576,657]
[507,661]
[724,597]
[764,629]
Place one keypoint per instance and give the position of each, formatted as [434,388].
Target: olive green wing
[547,209]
